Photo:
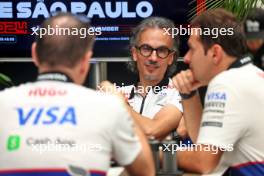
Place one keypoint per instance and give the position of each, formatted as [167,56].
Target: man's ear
[217,52]
[134,53]
[34,54]
[171,58]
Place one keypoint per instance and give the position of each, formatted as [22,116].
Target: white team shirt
[233,120]
[158,96]
[52,127]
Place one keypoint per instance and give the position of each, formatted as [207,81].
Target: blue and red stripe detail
[45,172]
[248,169]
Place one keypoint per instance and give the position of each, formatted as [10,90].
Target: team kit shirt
[55,127]
[157,97]
[233,119]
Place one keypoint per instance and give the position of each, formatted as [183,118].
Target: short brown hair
[234,45]
[64,50]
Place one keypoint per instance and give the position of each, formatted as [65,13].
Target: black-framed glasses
[146,51]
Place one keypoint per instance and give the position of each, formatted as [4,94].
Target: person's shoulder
[13,93]
[236,75]
[241,79]
[12,90]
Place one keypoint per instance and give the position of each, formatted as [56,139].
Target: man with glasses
[155,103]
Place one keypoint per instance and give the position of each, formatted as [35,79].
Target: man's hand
[185,82]
[108,87]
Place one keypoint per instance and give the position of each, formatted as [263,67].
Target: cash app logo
[13,142]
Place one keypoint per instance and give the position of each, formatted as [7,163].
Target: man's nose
[154,56]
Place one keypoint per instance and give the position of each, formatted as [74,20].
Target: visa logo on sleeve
[46,115]
[216,96]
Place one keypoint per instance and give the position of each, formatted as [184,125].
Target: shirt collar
[54,76]
[240,62]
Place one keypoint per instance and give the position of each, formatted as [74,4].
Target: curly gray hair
[154,22]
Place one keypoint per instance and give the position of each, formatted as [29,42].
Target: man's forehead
[156,37]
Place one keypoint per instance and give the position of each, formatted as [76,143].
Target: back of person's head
[64,44]
[154,23]
[221,21]
[254,24]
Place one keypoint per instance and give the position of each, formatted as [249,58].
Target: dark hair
[234,45]
[64,49]
[154,22]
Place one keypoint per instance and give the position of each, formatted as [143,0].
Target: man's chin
[151,77]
